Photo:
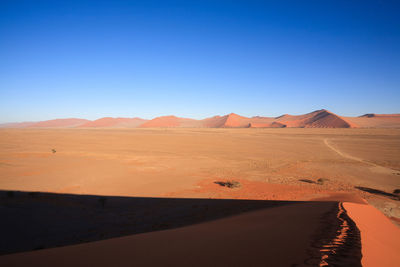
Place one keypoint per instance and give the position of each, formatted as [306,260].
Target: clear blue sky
[90,59]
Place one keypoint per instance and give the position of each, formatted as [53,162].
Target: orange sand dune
[16,124]
[380,237]
[214,122]
[170,121]
[114,122]
[317,119]
[266,237]
[233,120]
[60,123]
[376,120]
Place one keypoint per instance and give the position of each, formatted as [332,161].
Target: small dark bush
[53,150]
[396,191]
[229,184]
[10,194]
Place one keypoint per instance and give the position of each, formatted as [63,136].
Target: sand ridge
[225,241]
[114,122]
[316,119]
[380,237]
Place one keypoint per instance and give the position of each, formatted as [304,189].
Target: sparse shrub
[103,201]
[321,181]
[396,192]
[229,184]
[53,150]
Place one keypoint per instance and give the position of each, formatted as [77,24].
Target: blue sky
[89,59]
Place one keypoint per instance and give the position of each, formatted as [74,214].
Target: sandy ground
[270,164]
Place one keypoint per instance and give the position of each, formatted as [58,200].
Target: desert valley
[323,189]
[199,133]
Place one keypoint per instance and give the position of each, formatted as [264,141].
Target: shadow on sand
[36,220]
[378,192]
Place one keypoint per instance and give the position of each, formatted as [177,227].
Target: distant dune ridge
[59,123]
[114,122]
[316,119]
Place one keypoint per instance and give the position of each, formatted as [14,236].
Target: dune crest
[372,120]
[114,122]
[169,121]
[316,119]
[59,123]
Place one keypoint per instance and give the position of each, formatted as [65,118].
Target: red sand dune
[376,120]
[214,122]
[317,119]
[380,237]
[115,122]
[233,120]
[59,123]
[170,121]
[266,237]
[16,124]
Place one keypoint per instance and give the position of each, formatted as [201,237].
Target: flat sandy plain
[278,167]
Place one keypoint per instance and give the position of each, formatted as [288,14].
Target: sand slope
[268,237]
[115,122]
[231,120]
[376,120]
[317,119]
[169,121]
[16,124]
[59,123]
[380,237]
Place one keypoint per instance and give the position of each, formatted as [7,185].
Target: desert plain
[158,196]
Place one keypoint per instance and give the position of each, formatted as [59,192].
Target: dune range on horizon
[316,119]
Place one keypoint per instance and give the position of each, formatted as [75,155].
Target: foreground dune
[290,235]
[380,238]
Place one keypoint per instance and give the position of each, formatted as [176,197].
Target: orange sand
[317,119]
[380,237]
[269,164]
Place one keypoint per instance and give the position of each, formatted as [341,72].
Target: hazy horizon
[94,59]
